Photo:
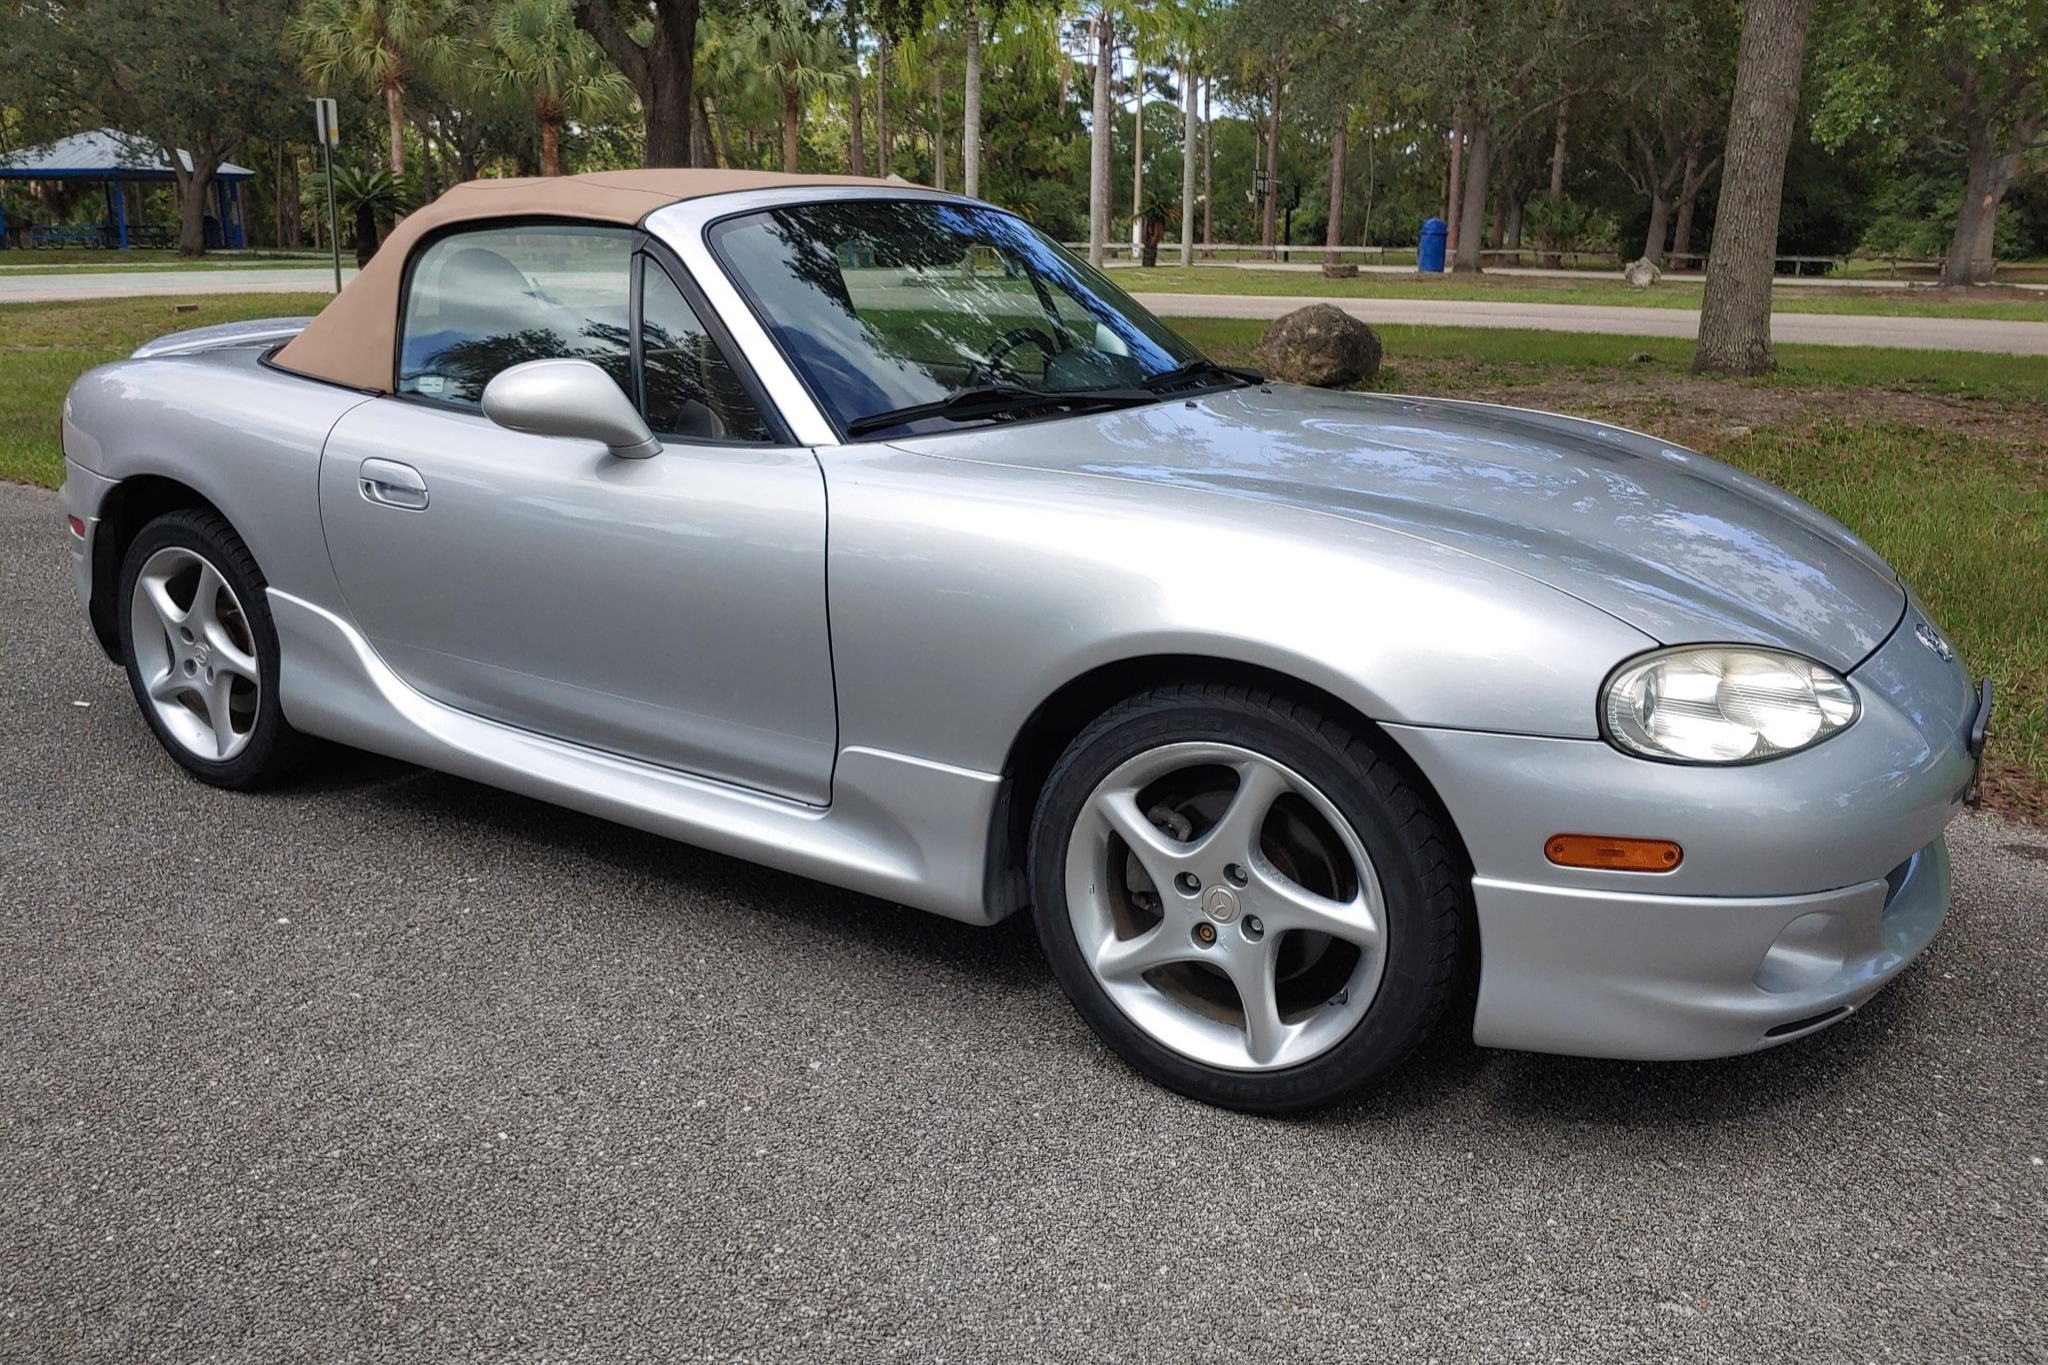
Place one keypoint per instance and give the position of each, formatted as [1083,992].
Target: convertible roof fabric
[354,340]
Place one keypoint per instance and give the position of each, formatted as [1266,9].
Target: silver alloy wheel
[1226,906]
[195,653]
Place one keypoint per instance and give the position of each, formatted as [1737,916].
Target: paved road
[389,1066]
[59,287]
[1826,329]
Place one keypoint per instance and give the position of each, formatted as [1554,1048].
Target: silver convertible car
[861,531]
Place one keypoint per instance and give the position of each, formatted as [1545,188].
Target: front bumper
[1807,882]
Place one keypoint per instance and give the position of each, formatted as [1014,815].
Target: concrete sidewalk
[1916,333]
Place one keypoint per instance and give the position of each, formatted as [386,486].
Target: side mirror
[569,398]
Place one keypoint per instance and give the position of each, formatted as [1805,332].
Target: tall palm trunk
[970,123]
[1454,196]
[1735,317]
[1187,165]
[394,115]
[1551,258]
[792,117]
[1208,166]
[1270,217]
[1098,139]
[1334,236]
[883,149]
[856,143]
[551,142]
[1137,136]
[938,130]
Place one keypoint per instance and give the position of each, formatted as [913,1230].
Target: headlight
[1723,704]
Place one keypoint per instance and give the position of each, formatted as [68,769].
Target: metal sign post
[327,130]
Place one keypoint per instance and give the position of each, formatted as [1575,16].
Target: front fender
[964,594]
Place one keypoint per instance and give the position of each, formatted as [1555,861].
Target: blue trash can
[1430,255]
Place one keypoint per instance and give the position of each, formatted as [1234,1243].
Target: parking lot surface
[388,1066]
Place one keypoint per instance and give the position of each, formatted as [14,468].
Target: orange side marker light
[1613,854]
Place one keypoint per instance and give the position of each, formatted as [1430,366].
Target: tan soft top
[354,341]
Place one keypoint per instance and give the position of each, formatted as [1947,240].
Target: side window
[479,302]
[691,391]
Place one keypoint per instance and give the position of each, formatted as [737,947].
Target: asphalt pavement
[389,1066]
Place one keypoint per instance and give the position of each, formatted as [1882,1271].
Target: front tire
[1244,899]
[202,653]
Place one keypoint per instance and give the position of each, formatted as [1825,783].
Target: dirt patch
[1704,413]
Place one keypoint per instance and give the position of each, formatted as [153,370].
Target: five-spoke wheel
[1245,899]
[201,650]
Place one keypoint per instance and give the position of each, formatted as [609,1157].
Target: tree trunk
[394,117]
[192,207]
[1454,196]
[1137,139]
[1188,133]
[1659,229]
[671,94]
[703,151]
[938,131]
[1735,319]
[1986,178]
[882,148]
[1269,213]
[1333,235]
[1208,166]
[856,142]
[1514,242]
[1098,139]
[722,130]
[792,120]
[366,234]
[1551,259]
[1688,198]
[550,145]
[430,180]
[663,73]
[1472,208]
[970,99]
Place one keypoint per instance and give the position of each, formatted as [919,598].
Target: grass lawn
[1939,459]
[2008,305]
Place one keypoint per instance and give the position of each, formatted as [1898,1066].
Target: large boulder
[1641,272]
[1320,345]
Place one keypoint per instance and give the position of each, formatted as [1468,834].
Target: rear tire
[1244,899]
[202,653]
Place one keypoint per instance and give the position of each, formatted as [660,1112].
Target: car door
[670,609]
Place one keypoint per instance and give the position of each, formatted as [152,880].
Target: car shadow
[1005,954]
[1449,1069]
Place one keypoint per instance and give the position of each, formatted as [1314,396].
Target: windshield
[888,305]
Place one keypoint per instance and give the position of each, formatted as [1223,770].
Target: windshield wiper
[996,400]
[1197,367]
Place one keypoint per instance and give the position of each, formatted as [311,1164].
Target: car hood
[1679,546]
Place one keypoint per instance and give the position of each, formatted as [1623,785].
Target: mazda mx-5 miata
[861,531]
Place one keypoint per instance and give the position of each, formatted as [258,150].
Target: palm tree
[542,52]
[789,43]
[1102,27]
[375,43]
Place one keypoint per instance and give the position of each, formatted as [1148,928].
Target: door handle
[392,484]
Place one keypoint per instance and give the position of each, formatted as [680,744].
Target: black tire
[273,749]
[1426,895]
